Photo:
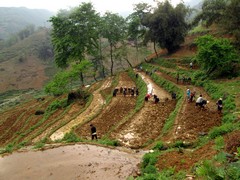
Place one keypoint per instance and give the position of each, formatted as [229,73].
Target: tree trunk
[111,54]
[101,58]
[82,78]
[154,46]
[128,62]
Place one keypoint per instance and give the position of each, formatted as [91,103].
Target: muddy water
[153,88]
[71,162]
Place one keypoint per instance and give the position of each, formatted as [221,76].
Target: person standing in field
[219,105]
[93,132]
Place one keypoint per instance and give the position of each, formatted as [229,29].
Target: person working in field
[219,105]
[93,132]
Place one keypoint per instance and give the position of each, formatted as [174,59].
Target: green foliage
[209,171]
[221,130]
[58,85]
[56,105]
[114,30]
[223,13]
[108,142]
[165,63]
[159,145]
[8,149]
[149,159]
[233,171]
[219,143]
[71,137]
[150,169]
[216,56]
[82,24]
[40,144]
[167,25]
[178,144]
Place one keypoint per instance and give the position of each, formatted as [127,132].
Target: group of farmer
[132,91]
[201,102]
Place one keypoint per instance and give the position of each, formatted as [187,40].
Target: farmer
[191,65]
[188,94]
[199,101]
[93,131]
[219,105]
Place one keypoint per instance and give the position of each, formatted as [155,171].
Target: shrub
[159,146]
[71,137]
[108,142]
[57,104]
[150,169]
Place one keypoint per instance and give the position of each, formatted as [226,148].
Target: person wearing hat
[219,105]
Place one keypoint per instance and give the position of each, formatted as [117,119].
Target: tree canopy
[167,25]
[216,56]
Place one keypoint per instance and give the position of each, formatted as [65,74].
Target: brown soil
[91,162]
[92,110]
[118,108]
[146,125]
[192,121]
[232,142]
[184,160]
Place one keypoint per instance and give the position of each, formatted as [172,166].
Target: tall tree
[75,35]
[167,25]
[136,30]
[114,30]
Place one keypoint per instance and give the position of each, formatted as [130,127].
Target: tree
[224,13]
[136,30]
[61,81]
[216,56]
[75,34]
[114,30]
[167,25]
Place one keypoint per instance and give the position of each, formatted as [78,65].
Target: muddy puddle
[73,162]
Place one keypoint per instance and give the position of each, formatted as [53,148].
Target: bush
[150,169]
[149,159]
[57,104]
[159,146]
[71,137]
[108,142]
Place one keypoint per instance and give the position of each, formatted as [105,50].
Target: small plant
[217,131]
[71,137]
[178,144]
[40,144]
[108,142]
[219,143]
[57,104]
[159,145]
[8,149]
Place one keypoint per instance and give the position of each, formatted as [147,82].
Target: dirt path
[94,107]
[146,124]
[76,162]
[118,108]
[191,121]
